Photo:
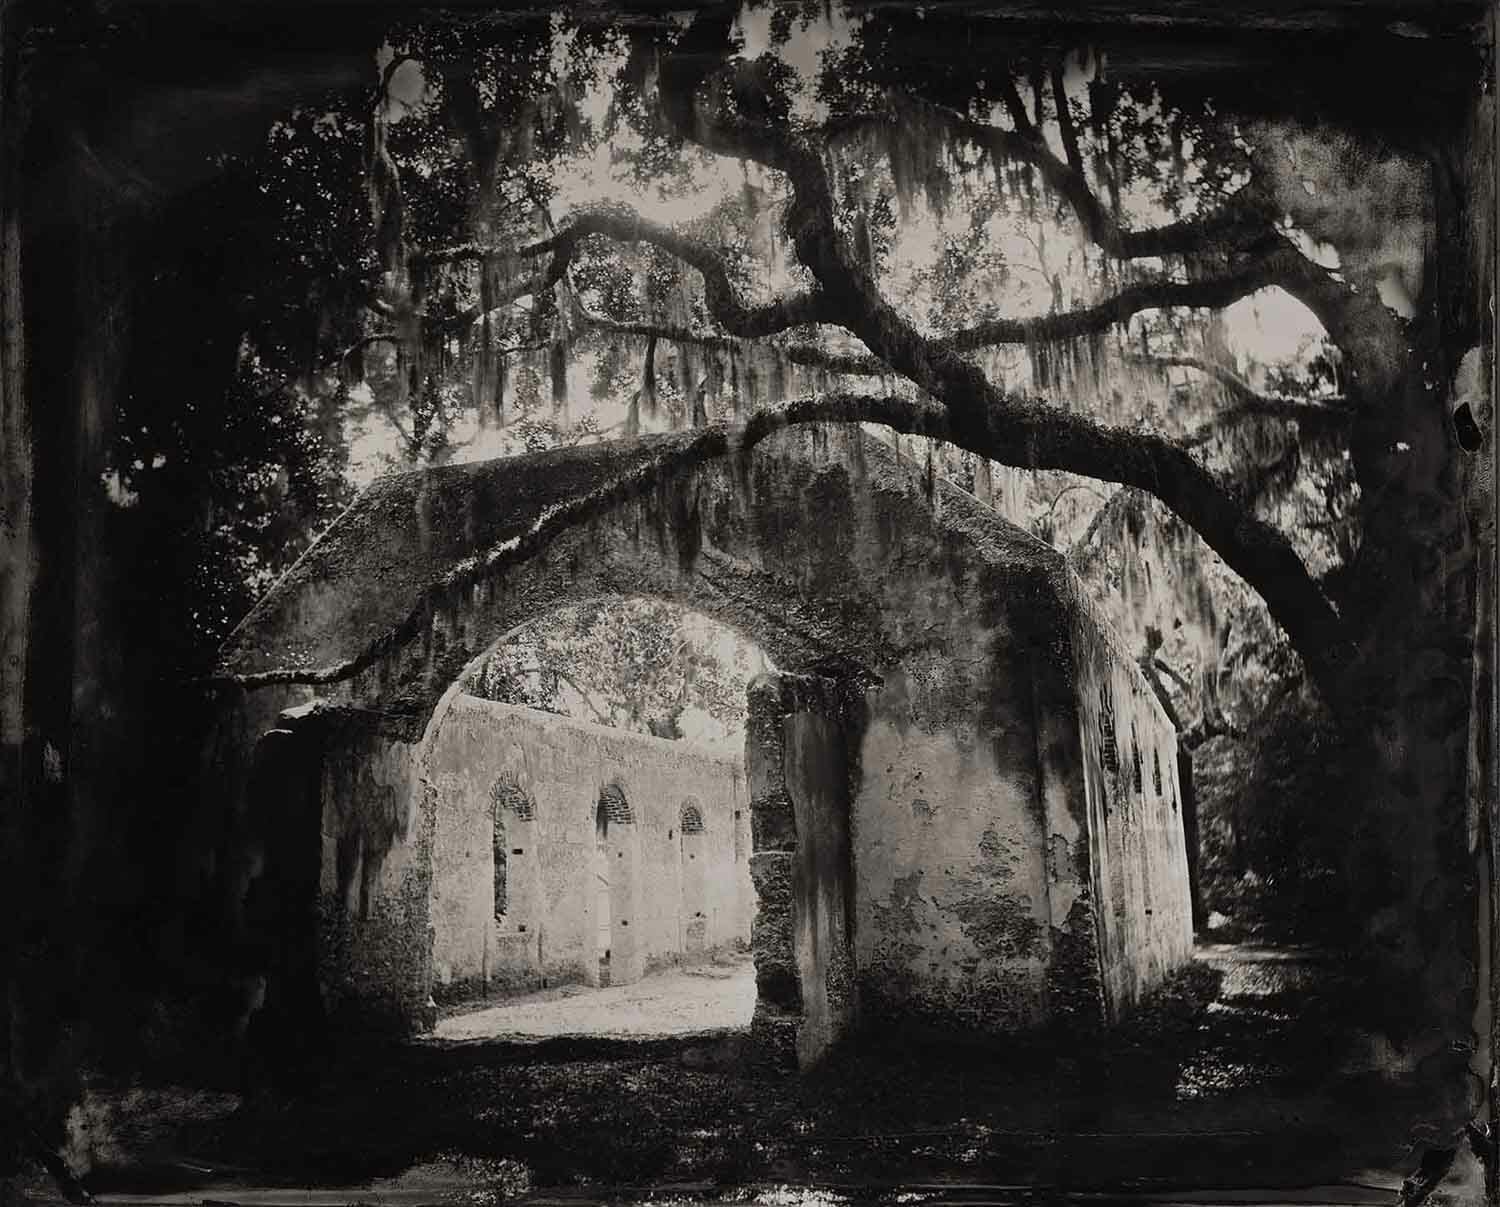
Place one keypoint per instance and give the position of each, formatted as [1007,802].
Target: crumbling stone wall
[332,863]
[376,851]
[993,883]
[952,907]
[563,767]
[797,751]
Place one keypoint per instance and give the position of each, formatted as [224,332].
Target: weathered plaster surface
[1137,849]
[671,895]
[376,853]
[797,760]
[814,546]
[952,902]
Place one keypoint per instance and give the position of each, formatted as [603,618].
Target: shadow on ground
[1245,1075]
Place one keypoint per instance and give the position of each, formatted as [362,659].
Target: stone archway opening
[635,871]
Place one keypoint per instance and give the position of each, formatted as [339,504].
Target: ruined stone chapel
[958,809]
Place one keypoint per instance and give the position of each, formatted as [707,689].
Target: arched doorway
[502,863]
[603,914]
[616,891]
[692,911]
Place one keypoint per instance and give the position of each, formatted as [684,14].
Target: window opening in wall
[508,794]
[1156,770]
[502,863]
[1107,732]
[693,927]
[1099,785]
[614,807]
[506,797]
[603,921]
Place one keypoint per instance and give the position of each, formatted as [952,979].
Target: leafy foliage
[640,664]
[1276,823]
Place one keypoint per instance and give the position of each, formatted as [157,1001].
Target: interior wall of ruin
[671,895]
[797,759]
[951,896]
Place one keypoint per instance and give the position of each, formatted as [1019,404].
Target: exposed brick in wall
[799,736]
[616,807]
[508,794]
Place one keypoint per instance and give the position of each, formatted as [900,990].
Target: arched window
[502,860]
[1107,743]
[614,807]
[692,856]
[507,796]
[611,885]
[1135,759]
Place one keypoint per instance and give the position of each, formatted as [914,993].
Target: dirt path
[710,997]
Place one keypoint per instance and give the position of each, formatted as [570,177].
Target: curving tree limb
[1257,551]
[972,413]
[625,226]
[1208,292]
[1244,219]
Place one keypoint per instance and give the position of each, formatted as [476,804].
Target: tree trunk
[1405,701]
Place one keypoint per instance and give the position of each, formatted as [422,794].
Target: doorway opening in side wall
[602,913]
[611,890]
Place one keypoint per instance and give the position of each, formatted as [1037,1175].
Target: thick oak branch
[624,226]
[806,355]
[1209,292]
[1324,413]
[980,418]
[748,322]
[1033,435]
